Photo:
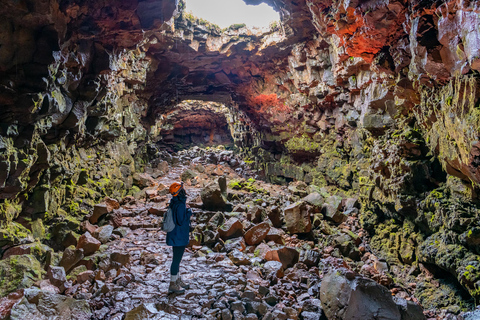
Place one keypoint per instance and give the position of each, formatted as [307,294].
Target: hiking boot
[175,288]
[182,284]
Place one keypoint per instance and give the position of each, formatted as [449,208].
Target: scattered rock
[88,243]
[232,228]
[143,180]
[315,199]
[257,233]
[297,218]
[213,198]
[38,304]
[239,258]
[57,277]
[275,267]
[103,234]
[71,256]
[287,256]
[331,209]
[98,211]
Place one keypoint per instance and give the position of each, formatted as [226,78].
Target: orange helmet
[175,188]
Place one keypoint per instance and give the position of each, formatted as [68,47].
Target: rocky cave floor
[249,259]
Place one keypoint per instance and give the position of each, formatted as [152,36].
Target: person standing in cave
[179,237]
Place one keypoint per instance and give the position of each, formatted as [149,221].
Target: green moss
[302,144]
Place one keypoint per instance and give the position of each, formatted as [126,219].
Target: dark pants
[177,257]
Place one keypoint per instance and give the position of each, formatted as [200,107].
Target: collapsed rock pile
[257,251]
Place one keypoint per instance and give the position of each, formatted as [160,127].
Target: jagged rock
[163,167]
[236,243]
[87,226]
[331,209]
[232,228]
[275,235]
[38,304]
[98,211]
[112,204]
[239,258]
[187,175]
[103,234]
[409,310]
[121,231]
[257,233]
[70,257]
[121,258]
[217,220]
[274,266]
[255,213]
[18,272]
[143,180]
[261,250]
[72,275]
[86,275]
[287,256]
[57,277]
[88,243]
[315,199]
[275,215]
[345,296]
[213,198]
[39,250]
[310,258]
[297,218]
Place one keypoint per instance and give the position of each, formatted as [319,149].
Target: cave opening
[233,13]
[195,123]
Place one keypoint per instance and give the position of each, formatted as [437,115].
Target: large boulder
[18,272]
[257,233]
[345,295]
[71,257]
[143,180]
[88,243]
[213,198]
[38,304]
[233,228]
[314,199]
[287,256]
[57,277]
[331,209]
[297,218]
[103,234]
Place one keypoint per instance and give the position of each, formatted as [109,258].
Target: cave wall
[374,99]
[70,115]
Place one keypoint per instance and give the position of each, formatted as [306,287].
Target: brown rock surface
[257,233]
[88,243]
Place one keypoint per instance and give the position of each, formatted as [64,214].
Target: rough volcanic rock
[88,243]
[38,304]
[232,228]
[257,233]
[103,234]
[98,211]
[297,218]
[347,296]
[143,180]
[18,272]
[213,198]
[331,209]
[70,257]
[287,256]
[57,277]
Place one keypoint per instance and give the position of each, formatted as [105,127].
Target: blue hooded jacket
[180,235]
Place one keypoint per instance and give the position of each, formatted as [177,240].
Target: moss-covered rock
[17,272]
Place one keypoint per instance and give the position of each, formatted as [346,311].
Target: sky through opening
[224,13]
